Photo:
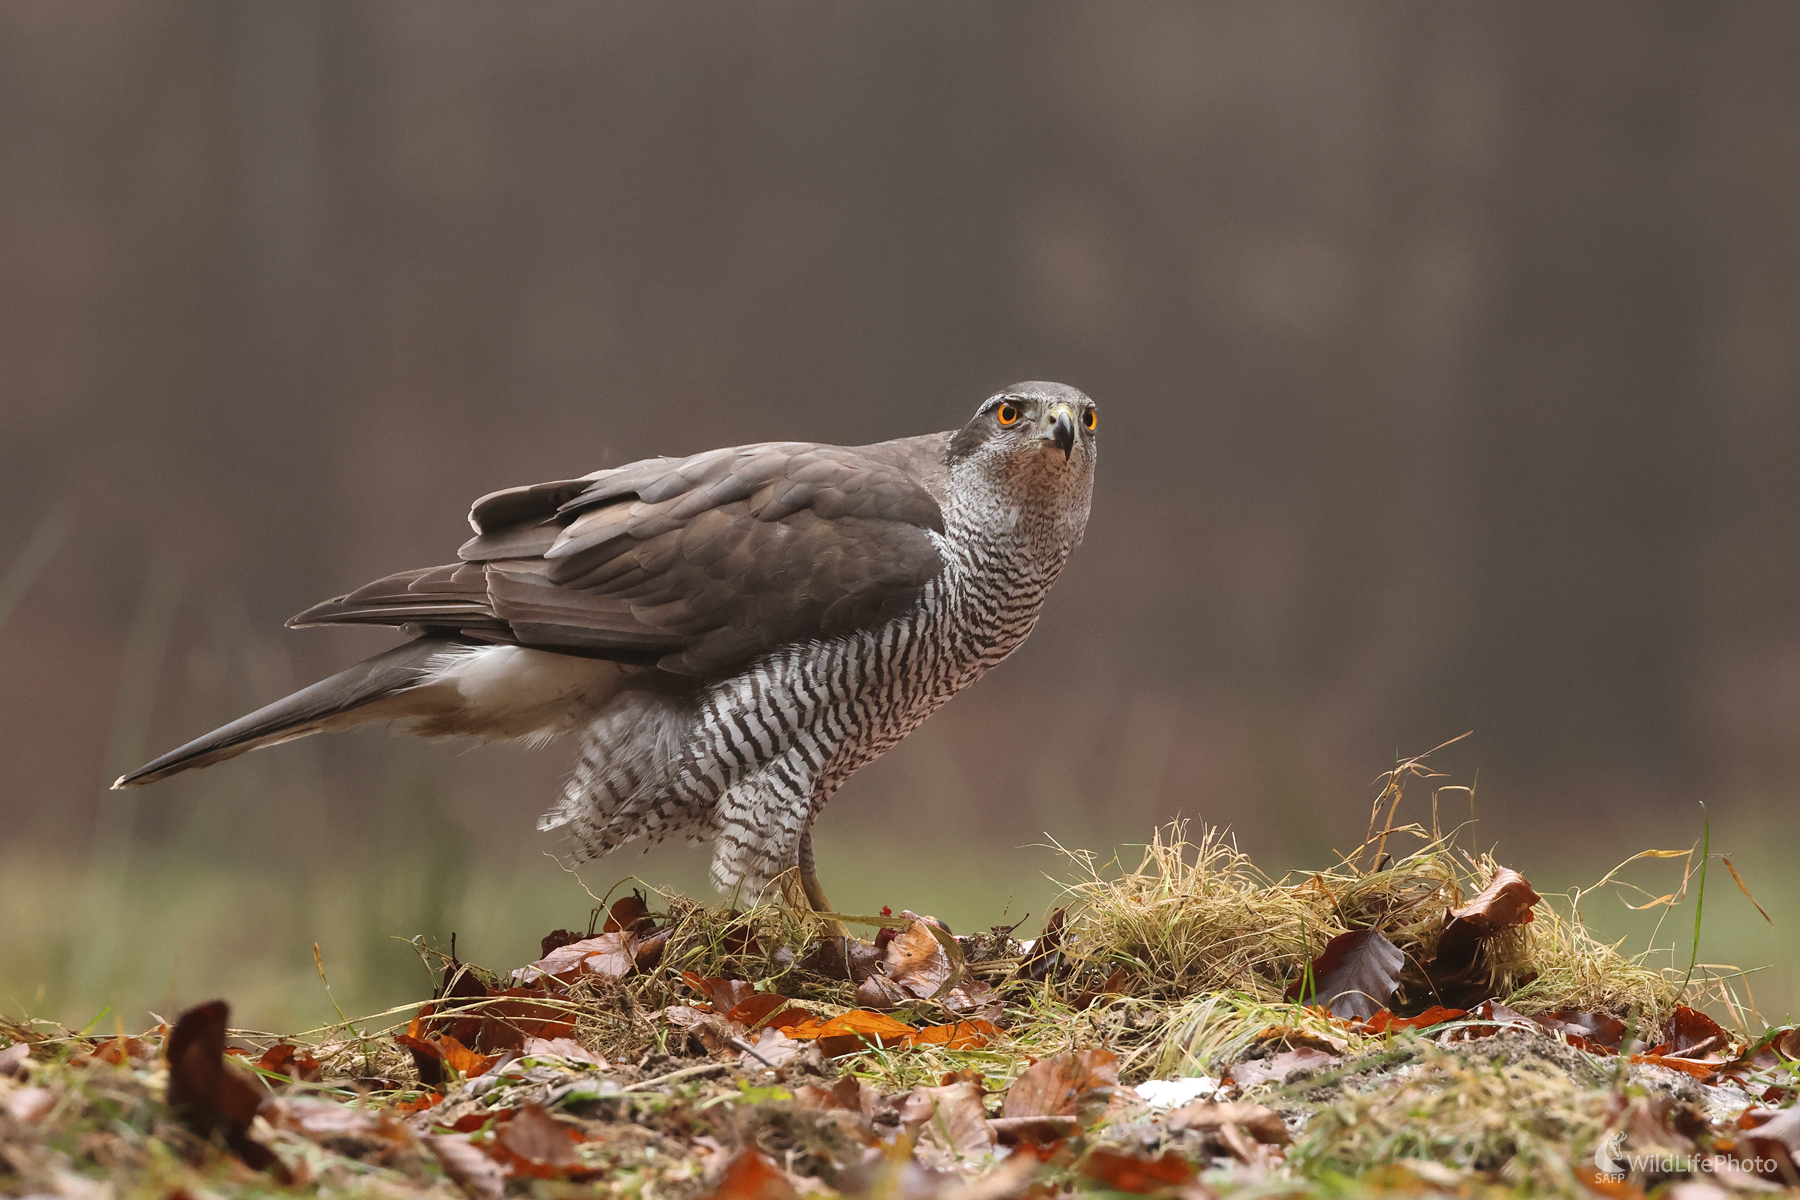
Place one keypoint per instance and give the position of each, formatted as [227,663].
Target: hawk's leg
[809,876]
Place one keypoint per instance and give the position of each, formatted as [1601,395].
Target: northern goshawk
[729,635]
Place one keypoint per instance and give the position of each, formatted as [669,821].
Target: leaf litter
[1425,1022]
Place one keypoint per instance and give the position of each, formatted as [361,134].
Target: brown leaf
[480,1177]
[1775,1134]
[1506,901]
[536,1144]
[328,1121]
[458,988]
[609,956]
[1386,1022]
[629,915]
[776,1050]
[1356,976]
[770,1009]
[1591,1029]
[556,939]
[1280,1067]
[1044,960]
[1260,1122]
[1136,1173]
[751,1176]
[517,1014]
[916,960]
[950,1123]
[1692,1034]
[561,1047]
[15,1061]
[846,958]
[714,1032]
[723,994]
[1078,1084]
[291,1062]
[118,1050]
[205,1093]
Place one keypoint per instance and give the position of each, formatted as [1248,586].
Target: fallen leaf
[1076,1084]
[776,1050]
[1292,1038]
[480,1177]
[769,1009]
[447,1051]
[916,960]
[950,1124]
[564,1048]
[1690,1033]
[117,1051]
[1386,1022]
[608,956]
[1356,976]
[630,914]
[1458,970]
[962,1035]
[536,1144]
[751,1176]
[1136,1173]
[1044,960]
[845,958]
[723,994]
[291,1062]
[1279,1068]
[853,1031]
[1237,1125]
[1592,1029]
[205,1093]
[29,1105]
[328,1121]
[459,987]
[714,1032]
[511,1017]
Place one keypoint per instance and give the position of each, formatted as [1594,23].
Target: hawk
[728,636]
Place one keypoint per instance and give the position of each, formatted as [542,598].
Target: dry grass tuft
[1204,945]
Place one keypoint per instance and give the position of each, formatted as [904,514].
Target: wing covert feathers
[696,564]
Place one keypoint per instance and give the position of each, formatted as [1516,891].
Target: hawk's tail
[340,702]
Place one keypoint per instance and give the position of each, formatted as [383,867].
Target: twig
[672,1076]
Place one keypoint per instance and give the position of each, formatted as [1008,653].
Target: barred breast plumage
[730,636]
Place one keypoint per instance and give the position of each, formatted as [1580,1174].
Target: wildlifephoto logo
[1613,1161]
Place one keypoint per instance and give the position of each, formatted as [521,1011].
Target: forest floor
[1184,1026]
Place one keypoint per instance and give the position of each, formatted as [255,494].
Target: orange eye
[1090,419]
[1006,414]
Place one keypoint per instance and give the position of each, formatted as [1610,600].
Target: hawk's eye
[1006,414]
[1090,419]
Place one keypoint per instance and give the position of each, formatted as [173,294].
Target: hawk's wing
[695,564]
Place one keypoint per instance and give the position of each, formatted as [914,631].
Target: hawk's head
[1028,423]
[1032,447]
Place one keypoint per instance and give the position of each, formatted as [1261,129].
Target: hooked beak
[1062,429]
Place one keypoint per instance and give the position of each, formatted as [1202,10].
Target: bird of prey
[729,636]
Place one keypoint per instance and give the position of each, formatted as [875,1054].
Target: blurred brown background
[1447,359]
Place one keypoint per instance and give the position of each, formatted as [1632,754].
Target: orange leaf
[1135,1173]
[463,1059]
[963,1035]
[1437,1014]
[750,1176]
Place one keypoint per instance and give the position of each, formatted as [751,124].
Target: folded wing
[694,564]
